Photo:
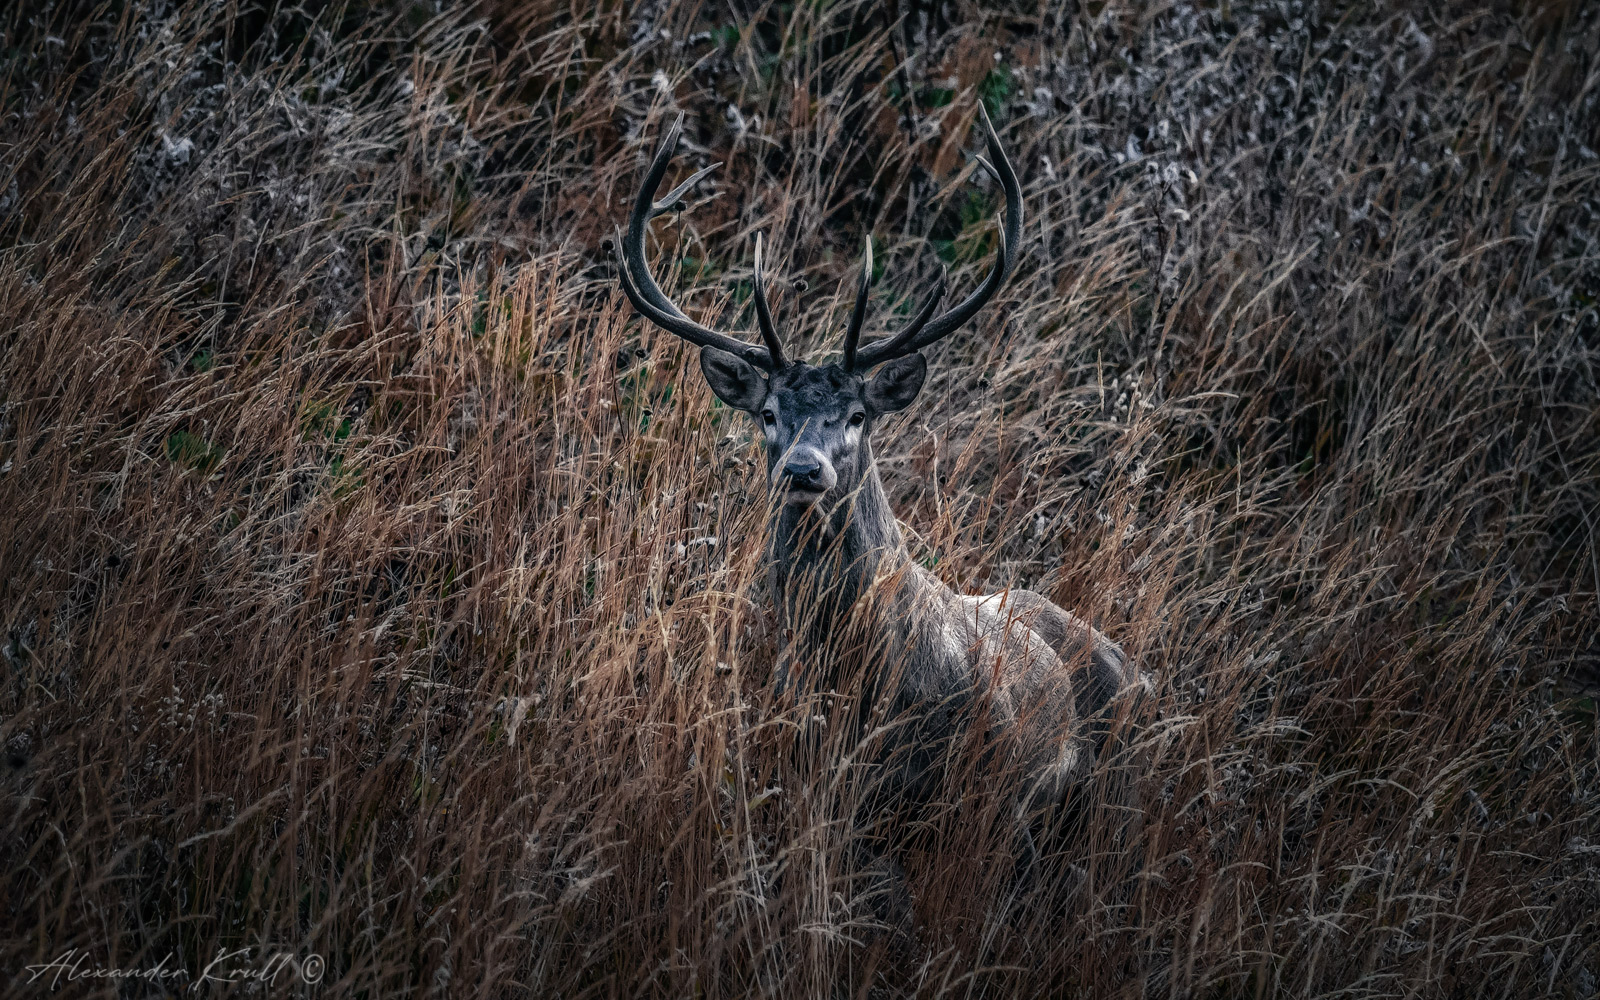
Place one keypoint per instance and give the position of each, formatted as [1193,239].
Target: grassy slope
[357,593]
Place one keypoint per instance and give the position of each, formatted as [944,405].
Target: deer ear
[897,383]
[734,380]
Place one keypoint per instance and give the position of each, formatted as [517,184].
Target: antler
[648,298]
[859,312]
[924,329]
[769,332]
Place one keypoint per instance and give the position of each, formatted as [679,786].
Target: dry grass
[359,596]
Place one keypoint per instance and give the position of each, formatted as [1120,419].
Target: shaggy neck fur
[825,557]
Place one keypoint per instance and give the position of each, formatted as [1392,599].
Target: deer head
[816,418]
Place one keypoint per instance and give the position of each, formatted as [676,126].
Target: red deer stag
[922,652]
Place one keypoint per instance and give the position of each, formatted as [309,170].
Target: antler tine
[672,198]
[858,314]
[640,286]
[1006,259]
[892,347]
[769,331]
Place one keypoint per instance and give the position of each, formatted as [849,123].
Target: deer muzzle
[806,476]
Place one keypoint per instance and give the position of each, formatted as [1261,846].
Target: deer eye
[767,418]
[857,419]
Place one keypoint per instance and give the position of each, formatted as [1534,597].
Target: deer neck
[826,557]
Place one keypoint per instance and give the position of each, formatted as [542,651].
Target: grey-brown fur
[839,568]
[1011,672]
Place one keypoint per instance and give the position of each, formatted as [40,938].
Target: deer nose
[805,474]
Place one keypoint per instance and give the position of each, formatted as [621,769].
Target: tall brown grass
[377,586]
